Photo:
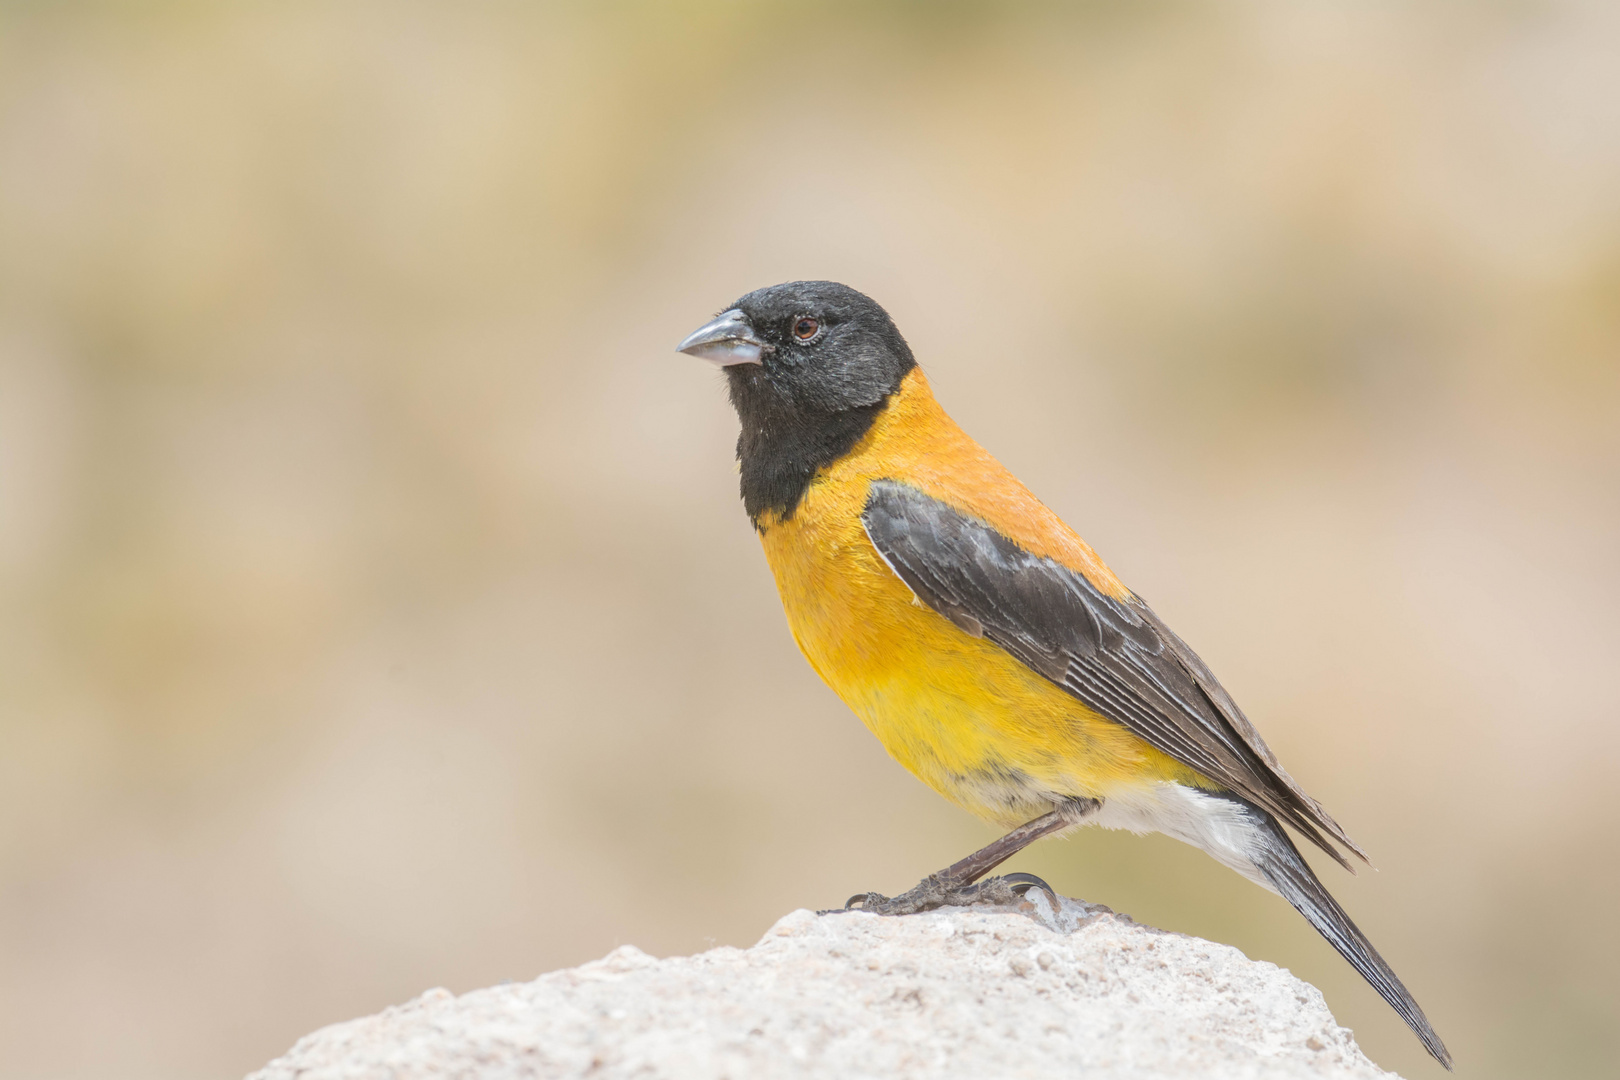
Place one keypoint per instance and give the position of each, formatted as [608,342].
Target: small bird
[978,637]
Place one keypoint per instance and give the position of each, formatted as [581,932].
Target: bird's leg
[955,885]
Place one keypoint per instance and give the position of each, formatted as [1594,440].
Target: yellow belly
[959,712]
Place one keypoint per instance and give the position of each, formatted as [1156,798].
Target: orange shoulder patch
[915,441]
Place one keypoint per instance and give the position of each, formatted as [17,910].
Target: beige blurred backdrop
[377,611]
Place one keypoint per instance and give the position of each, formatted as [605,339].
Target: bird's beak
[728,340]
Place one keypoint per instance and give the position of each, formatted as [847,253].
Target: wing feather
[1114,655]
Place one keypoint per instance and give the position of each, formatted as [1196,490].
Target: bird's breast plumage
[957,710]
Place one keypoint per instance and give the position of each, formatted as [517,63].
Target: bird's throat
[781,448]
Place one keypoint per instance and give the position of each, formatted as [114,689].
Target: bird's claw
[1021,883]
[935,891]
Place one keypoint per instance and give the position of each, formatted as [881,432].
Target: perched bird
[978,637]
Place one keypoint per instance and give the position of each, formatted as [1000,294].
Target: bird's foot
[937,891]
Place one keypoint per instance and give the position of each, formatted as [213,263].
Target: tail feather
[1280,862]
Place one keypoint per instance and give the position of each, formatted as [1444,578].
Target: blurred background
[377,611]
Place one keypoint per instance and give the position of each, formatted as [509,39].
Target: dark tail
[1279,860]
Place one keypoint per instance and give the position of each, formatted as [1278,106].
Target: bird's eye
[805,328]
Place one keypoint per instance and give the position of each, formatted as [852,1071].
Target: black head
[810,365]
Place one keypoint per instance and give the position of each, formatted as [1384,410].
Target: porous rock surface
[1075,991]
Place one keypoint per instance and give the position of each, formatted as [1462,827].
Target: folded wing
[1114,655]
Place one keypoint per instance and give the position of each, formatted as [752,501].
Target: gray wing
[1115,656]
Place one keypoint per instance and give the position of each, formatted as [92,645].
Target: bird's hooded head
[810,364]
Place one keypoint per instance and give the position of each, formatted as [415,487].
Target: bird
[979,638]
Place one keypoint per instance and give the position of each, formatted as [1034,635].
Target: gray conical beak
[728,340]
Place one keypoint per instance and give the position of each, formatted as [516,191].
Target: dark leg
[954,885]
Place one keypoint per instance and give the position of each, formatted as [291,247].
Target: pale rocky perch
[1075,992]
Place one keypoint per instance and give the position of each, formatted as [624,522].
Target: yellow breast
[962,714]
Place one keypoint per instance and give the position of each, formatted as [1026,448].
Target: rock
[1037,991]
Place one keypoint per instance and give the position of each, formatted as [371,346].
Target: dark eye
[805,328]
